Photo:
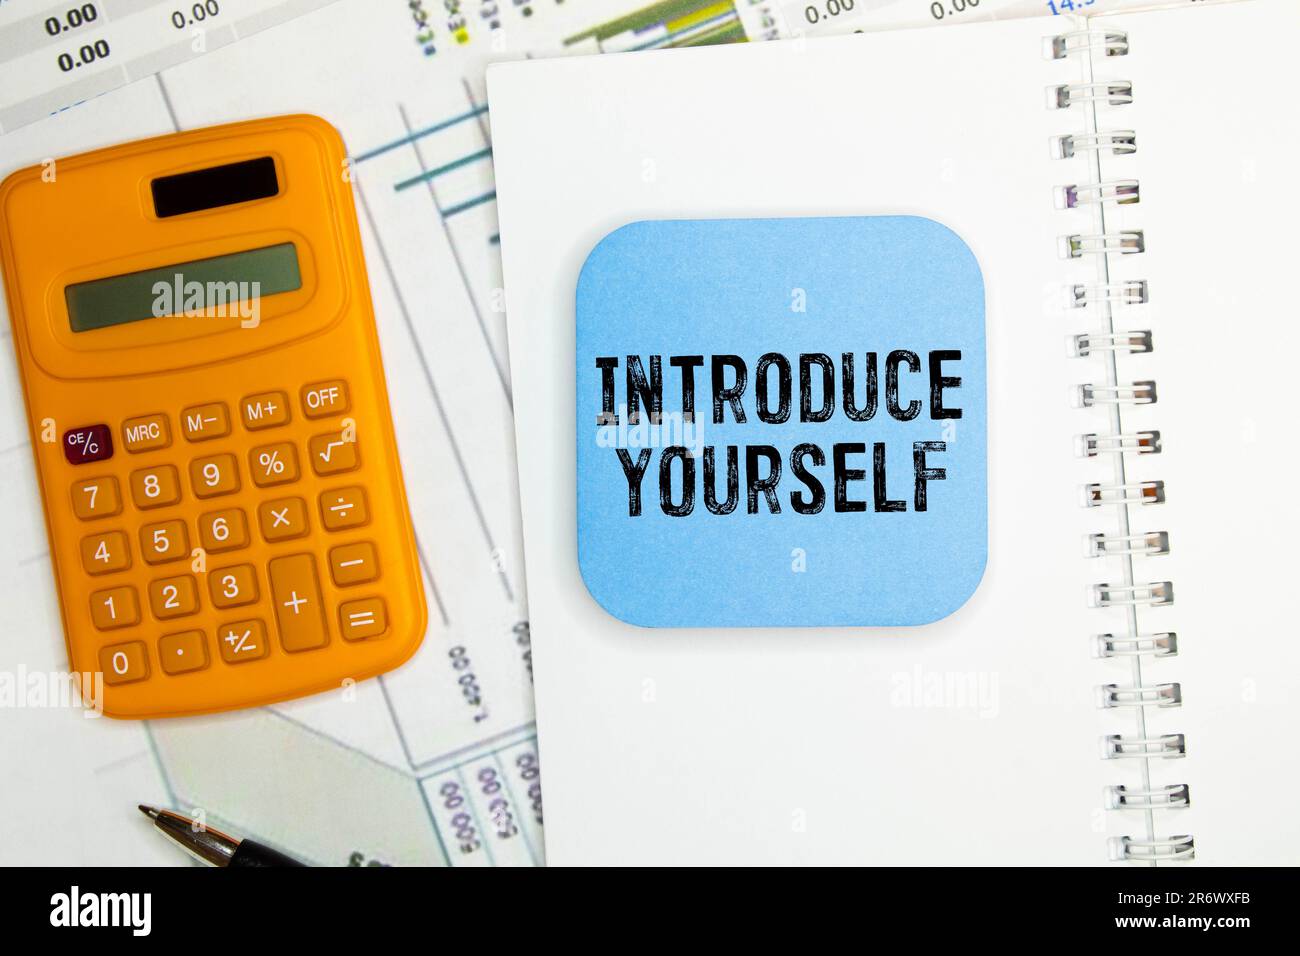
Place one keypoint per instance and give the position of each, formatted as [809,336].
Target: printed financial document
[437,762]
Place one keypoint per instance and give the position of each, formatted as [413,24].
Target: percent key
[274,464]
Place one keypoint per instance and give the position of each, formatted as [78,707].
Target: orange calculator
[227,520]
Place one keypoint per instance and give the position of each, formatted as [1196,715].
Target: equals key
[363,619]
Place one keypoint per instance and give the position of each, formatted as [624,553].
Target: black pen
[212,846]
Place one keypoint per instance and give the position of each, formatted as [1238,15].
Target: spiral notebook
[1120,681]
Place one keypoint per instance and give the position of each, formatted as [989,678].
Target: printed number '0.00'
[831,8]
[939,11]
[87,54]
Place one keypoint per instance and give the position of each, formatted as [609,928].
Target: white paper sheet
[405,87]
[690,746]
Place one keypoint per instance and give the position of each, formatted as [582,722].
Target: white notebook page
[808,745]
[1218,133]
[787,744]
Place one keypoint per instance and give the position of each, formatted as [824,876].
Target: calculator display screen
[219,287]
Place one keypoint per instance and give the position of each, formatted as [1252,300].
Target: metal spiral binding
[1096,495]
[1135,393]
[1172,796]
[1155,645]
[1112,293]
[1073,94]
[1139,443]
[1128,497]
[1175,849]
[1117,142]
[1103,545]
[1154,594]
[1122,191]
[1166,746]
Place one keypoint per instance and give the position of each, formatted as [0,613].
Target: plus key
[295,594]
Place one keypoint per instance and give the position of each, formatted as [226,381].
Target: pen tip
[150,812]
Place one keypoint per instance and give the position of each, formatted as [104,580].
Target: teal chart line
[469,204]
[437,171]
[420,134]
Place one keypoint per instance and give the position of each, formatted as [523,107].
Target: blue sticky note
[721,482]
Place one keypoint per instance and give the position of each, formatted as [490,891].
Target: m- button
[322,399]
[202,422]
[266,410]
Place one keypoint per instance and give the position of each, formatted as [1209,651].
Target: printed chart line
[443,216]
[474,815]
[433,388]
[413,135]
[514,802]
[484,127]
[444,169]
[466,205]
[431,767]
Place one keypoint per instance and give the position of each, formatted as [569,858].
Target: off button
[323,399]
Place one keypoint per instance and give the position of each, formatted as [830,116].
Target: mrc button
[146,433]
[322,399]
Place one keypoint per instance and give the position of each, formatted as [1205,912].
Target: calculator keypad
[173,597]
[146,433]
[164,541]
[124,663]
[283,518]
[105,553]
[267,410]
[225,530]
[323,399]
[96,498]
[88,443]
[155,487]
[233,586]
[344,508]
[242,641]
[275,464]
[363,619]
[284,590]
[183,652]
[214,475]
[205,422]
[353,564]
[332,453]
[295,594]
[116,607]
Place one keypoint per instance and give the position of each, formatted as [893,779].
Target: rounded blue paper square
[781,422]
